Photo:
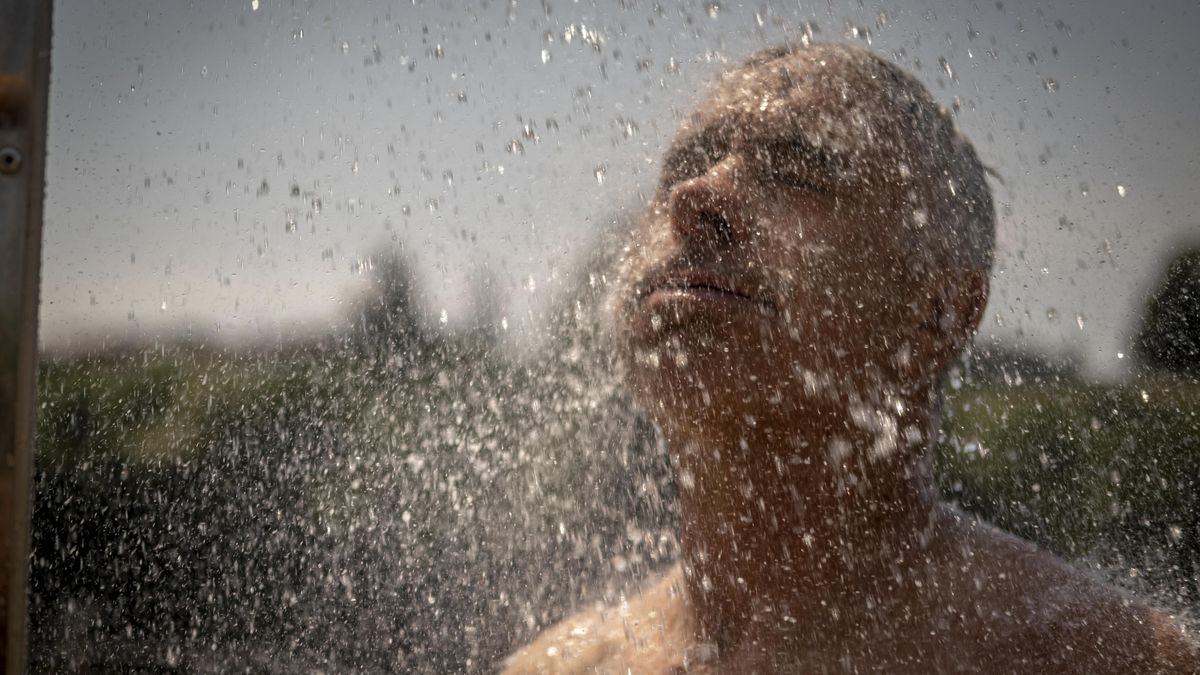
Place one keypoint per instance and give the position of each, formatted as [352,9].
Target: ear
[952,307]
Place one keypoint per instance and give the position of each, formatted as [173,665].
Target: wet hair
[953,217]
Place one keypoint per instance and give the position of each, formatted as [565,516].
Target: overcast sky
[179,130]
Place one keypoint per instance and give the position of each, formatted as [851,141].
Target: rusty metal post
[24,76]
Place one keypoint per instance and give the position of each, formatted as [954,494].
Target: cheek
[836,305]
[805,273]
[652,242]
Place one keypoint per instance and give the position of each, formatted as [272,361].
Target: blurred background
[322,381]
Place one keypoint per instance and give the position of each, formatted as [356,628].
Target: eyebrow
[711,135]
[717,134]
[802,143]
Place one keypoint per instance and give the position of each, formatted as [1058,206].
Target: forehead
[847,102]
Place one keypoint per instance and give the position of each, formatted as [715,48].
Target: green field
[340,503]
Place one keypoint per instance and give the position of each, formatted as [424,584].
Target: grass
[313,501]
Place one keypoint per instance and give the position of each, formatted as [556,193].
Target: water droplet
[601,173]
[946,67]
[1050,84]
[1079,321]
[546,56]
[1121,190]
[712,9]
[253,5]
[858,32]
[444,318]
[807,31]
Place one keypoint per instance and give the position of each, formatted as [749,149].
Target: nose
[713,207]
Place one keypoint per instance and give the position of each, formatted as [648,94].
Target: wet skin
[788,338]
[737,261]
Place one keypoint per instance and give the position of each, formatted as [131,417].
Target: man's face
[770,264]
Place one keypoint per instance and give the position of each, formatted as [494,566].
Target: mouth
[697,286]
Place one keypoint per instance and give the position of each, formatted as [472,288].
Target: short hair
[959,227]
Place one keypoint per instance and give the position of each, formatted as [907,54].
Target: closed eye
[797,165]
[690,158]
[684,165]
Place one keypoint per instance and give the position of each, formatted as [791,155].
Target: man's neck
[785,524]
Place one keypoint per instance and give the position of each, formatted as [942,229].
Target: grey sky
[168,118]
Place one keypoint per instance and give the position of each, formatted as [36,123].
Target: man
[815,257]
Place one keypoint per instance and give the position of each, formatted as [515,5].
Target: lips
[697,285]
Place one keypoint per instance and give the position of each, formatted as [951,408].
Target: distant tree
[993,359]
[484,309]
[388,315]
[1169,337]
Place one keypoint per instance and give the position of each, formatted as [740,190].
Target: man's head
[819,232]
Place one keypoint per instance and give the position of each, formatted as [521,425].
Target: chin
[690,370]
[700,375]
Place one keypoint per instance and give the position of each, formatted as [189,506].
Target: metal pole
[24,75]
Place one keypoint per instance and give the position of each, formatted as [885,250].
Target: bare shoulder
[1069,619]
[643,633]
